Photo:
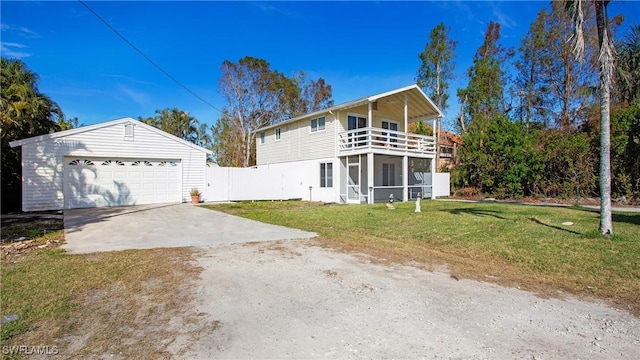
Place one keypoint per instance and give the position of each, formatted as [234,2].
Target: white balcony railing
[385,141]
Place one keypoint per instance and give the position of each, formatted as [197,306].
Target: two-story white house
[359,151]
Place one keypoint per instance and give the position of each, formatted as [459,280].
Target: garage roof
[79,130]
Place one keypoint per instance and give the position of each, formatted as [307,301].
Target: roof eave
[61,134]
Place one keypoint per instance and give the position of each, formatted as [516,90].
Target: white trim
[358,102]
[60,134]
[318,130]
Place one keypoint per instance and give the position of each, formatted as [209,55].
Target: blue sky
[360,48]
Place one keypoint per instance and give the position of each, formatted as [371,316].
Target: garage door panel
[93,182]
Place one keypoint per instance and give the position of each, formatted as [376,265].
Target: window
[317,124]
[262,137]
[326,175]
[277,134]
[388,174]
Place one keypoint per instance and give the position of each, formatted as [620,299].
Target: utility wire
[148,58]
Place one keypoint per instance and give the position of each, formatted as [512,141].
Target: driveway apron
[162,226]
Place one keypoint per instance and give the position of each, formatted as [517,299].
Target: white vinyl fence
[283,181]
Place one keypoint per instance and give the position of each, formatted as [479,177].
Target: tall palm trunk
[606,70]
[605,60]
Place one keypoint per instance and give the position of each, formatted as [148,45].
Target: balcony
[383,141]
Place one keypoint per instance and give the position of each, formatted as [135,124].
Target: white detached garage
[116,163]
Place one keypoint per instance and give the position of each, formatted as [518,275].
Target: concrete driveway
[161,226]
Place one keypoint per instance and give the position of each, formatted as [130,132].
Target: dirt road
[293,299]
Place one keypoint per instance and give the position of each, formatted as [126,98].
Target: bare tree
[252,92]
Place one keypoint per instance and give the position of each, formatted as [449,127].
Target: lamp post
[310,187]
[370,199]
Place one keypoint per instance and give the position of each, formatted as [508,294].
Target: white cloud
[128,79]
[12,50]
[138,97]
[28,33]
[501,18]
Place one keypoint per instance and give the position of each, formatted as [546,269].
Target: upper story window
[317,124]
[277,134]
[262,137]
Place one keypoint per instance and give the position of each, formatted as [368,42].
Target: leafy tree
[484,95]
[606,66]
[25,112]
[570,83]
[628,67]
[436,69]
[484,99]
[568,164]
[625,152]
[506,165]
[301,96]
[227,150]
[531,87]
[179,123]
[437,66]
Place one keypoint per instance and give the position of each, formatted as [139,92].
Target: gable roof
[79,130]
[420,106]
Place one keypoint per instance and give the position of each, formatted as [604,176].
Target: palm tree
[606,64]
[24,112]
[179,123]
[628,66]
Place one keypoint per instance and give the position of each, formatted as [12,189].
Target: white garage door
[95,182]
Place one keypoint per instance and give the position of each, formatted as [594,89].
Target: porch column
[405,178]
[438,125]
[370,115]
[406,113]
[433,178]
[370,177]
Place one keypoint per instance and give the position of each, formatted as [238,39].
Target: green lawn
[516,245]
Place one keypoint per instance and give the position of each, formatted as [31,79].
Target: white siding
[42,162]
[297,142]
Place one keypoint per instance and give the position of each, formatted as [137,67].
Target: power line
[147,57]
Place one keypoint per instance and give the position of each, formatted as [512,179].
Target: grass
[514,245]
[81,303]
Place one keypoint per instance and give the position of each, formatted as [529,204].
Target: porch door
[353,184]
[356,122]
[388,125]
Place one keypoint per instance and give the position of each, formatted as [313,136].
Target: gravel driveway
[292,299]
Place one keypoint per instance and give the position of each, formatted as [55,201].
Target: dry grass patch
[128,304]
